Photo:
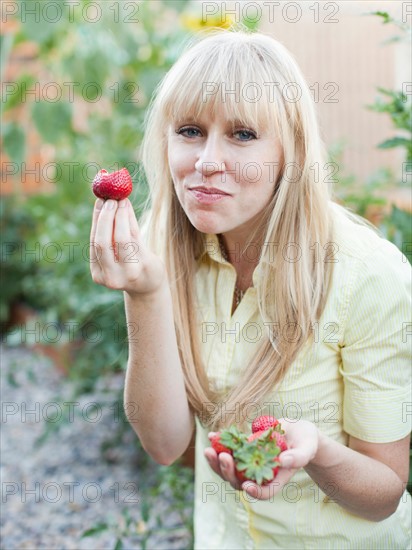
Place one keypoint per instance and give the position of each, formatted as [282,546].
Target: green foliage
[362,198]
[14,141]
[107,70]
[386,18]
[399,108]
[148,521]
[16,226]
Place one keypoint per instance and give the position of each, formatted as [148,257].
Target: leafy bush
[16,225]
[118,62]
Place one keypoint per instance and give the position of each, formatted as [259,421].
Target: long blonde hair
[290,293]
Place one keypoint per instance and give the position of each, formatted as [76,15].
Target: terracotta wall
[23,60]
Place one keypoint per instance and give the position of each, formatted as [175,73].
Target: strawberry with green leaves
[275,435]
[257,462]
[228,440]
[256,455]
[217,445]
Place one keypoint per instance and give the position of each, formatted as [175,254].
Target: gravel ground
[53,492]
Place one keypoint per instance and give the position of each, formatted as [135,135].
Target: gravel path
[53,492]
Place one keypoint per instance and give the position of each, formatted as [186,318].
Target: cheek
[179,162]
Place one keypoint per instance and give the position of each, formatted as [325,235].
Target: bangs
[234,82]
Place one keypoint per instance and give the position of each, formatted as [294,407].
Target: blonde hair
[289,293]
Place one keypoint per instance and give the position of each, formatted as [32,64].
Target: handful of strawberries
[256,455]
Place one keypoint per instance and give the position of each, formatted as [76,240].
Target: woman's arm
[368,479]
[155,400]
[155,397]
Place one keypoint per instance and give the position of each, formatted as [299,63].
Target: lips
[208,196]
[209,190]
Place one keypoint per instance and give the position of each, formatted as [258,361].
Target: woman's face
[224,174]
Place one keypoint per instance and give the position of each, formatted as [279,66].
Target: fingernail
[122,203]
[109,205]
[99,204]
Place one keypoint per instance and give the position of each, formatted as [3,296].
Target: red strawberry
[117,185]
[217,445]
[276,468]
[241,476]
[280,440]
[264,423]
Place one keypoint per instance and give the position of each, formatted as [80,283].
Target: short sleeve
[376,348]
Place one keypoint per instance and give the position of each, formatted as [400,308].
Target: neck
[243,258]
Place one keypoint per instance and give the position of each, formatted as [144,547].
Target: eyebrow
[191,119]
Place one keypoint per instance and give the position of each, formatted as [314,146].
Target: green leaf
[13,91]
[232,438]
[53,120]
[94,530]
[385,16]
[251,24]
[394,142]
[257,461]
[40,23]
[145,510]
[6,44]
[118,545]
[14,142]
[402,220]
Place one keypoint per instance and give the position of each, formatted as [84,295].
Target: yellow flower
[194,24]
[141,527]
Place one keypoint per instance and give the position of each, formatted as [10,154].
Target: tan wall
[351,54]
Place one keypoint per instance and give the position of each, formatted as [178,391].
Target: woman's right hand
[118,258]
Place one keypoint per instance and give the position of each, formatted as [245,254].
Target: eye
[245,135]
[188,131]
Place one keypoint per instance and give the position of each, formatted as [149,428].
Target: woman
[253,293]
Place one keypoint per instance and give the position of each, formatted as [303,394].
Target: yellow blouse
[354,379]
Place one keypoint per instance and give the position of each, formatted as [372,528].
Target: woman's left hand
[302,439]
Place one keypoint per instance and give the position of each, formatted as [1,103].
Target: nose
[211,157]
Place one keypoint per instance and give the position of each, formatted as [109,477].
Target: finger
[266,492]
[227,467]
[134,226]
[296,458]
[211,457]
[104,232]
[121,231]
[122,238]
[98,205]
[261,492]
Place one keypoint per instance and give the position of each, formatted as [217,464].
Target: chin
[206,225]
